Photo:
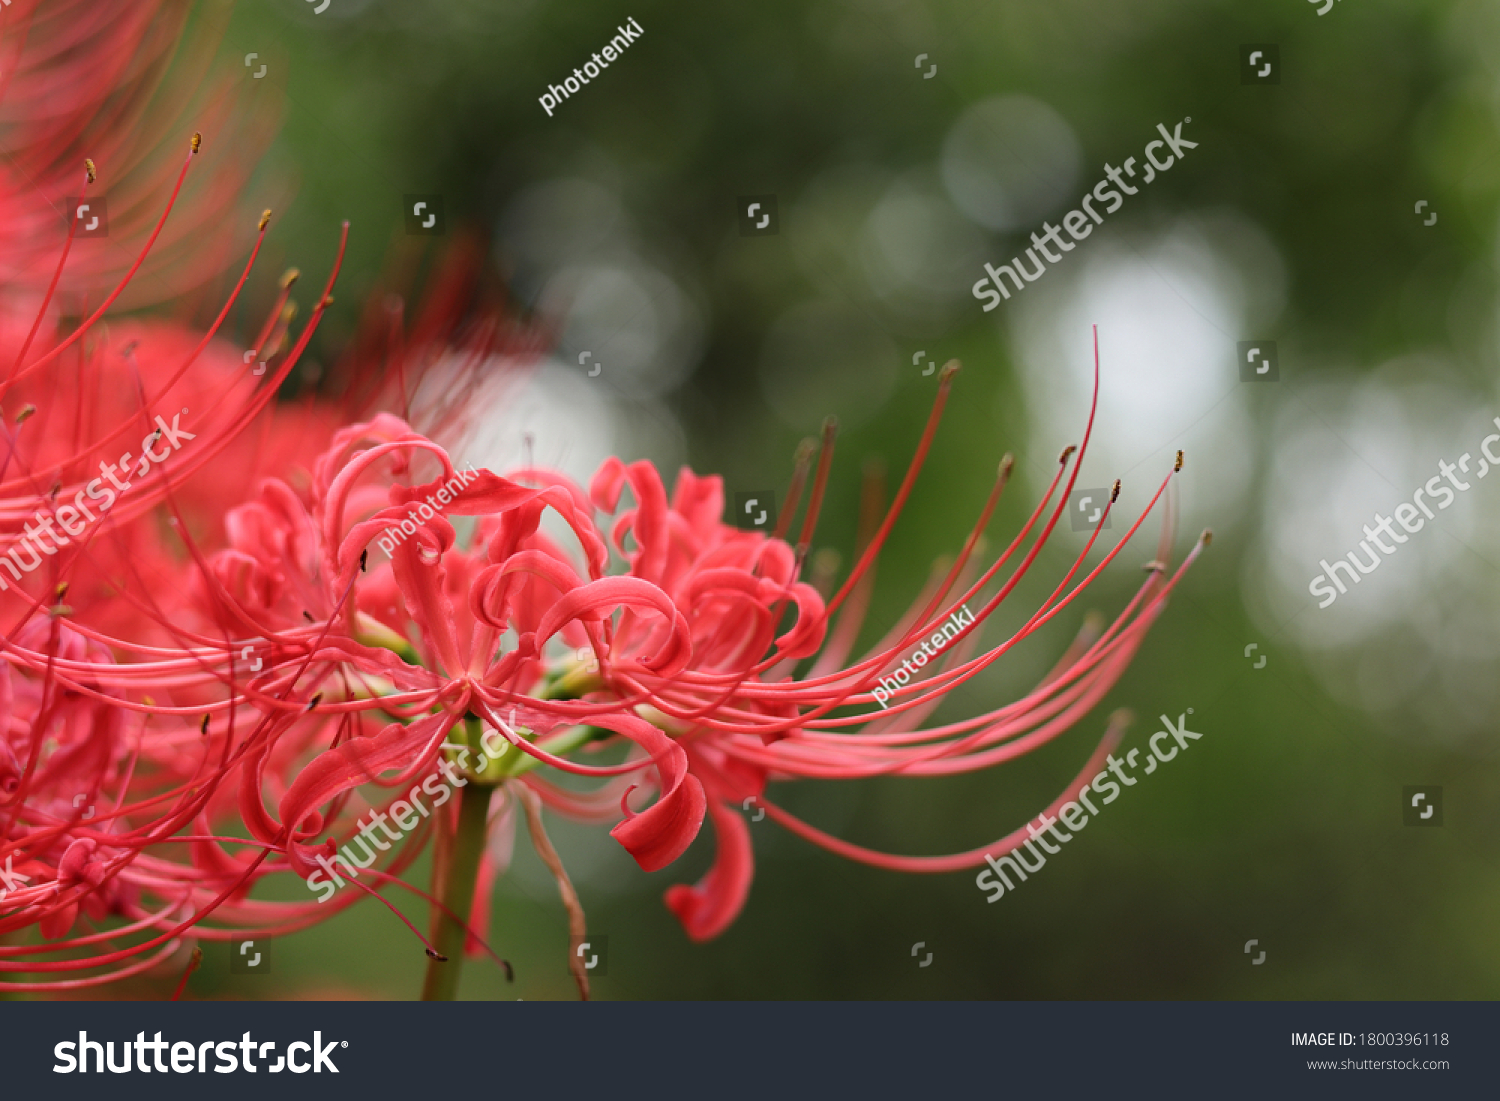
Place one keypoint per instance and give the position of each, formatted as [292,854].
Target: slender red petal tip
[194,962]
[1178,465]
[265,218]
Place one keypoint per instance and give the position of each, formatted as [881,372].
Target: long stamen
[88,178]
[84,327]
[820,483]
[802,463]
[945,384]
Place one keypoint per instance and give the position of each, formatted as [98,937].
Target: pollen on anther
[1114,494]
[88,170]
[197,141]
[265,218]
[1066,452]
[26,411]
[1178,465]
[291,276]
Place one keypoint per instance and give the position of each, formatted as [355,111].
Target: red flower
[406,648]
[376,638]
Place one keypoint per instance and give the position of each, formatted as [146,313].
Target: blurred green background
[1293,220]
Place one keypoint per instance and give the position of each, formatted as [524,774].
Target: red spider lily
[445,646]
[457,657]
[98,779]
[391,626]
[116,734]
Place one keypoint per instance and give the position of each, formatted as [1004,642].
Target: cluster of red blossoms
[197,697]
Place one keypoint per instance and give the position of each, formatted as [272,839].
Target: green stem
[441,983]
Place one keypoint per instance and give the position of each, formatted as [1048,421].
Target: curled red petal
[707,908]
[610,592]
[661,833]
[357,761]
[608,480]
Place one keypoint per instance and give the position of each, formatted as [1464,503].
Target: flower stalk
[459,877]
